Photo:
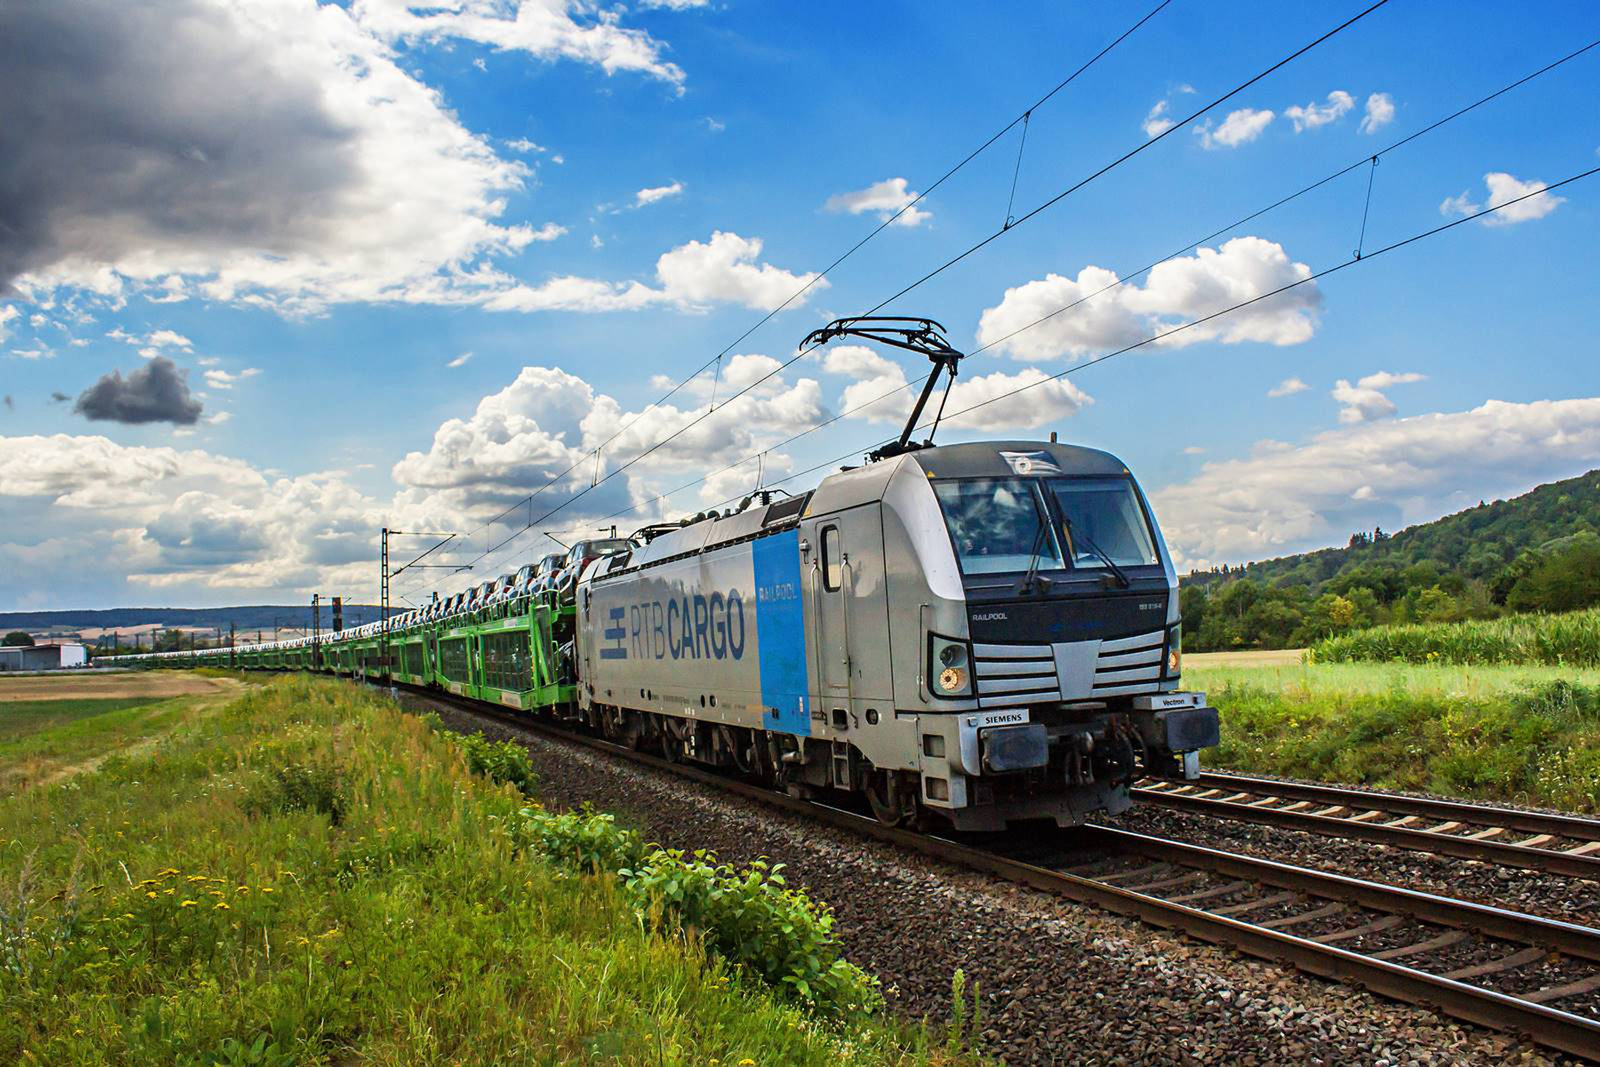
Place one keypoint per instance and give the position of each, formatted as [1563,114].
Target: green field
[19,718]
[1504,733]
[302,874]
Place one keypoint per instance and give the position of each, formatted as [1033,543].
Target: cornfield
[1569,640]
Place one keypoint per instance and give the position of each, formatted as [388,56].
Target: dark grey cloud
[11,405]
[156,392]
[61,398]
[132,127]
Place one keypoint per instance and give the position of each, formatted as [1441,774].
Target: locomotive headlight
[1174,651]
[948,672]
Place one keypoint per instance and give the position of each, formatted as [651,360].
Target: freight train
[980,634]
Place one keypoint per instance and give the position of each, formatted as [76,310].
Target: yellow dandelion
[268,889]
[187,904]
[169,870]
[127,915]
[222,905]
[151,894]
[215,892]
[169,892]
[747,1062]
[193,878]
[243,889]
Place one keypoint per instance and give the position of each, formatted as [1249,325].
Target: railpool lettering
[687,627]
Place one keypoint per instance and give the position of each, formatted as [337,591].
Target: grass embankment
[1518,734]
[307,875]
[1571,639]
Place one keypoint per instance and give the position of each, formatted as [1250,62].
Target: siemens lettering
[688,627]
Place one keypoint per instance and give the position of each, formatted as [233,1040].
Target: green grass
[1571,639]
[1518,734]
[307,875]
[19,718]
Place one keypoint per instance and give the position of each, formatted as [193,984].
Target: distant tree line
[1537,553]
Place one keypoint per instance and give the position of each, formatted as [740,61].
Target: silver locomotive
[986,632]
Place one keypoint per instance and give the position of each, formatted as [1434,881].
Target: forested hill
[244,617]
[1538,551]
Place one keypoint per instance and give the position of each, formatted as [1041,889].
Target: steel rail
[1245,798]
[1544,1025]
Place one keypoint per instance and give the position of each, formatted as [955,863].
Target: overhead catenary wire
[1122,280]
[818,276]
[1030,215]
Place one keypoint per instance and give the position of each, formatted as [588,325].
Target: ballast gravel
[1059,982]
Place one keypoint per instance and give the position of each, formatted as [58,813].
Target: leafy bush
[1571,639]
[298,787]
[499,761]
[751,918]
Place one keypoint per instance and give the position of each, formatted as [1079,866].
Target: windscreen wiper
[1032,578]
[1100,553]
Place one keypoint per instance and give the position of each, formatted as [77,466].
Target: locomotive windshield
[1101,519]
[1005,525]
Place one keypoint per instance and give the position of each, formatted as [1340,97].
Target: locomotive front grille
[1010,676]
[1129,664]
[1014,675]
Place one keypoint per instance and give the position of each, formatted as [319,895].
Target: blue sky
[314,213]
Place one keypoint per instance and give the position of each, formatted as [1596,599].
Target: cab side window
[832,569]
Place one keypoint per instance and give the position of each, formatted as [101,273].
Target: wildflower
[243,889]
[268,889]
[169,892]
[169,870]
[193,878]
[747,1062]
[151,894]
[222,905]
[187,904]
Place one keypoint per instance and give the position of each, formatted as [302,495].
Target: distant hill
[251,617]
[1536,552]
[1477,543]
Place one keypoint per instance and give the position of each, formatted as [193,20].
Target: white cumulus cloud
[1239,128]
[1503,189]
[726,268]
[882,199]
[1287,387]
[1380,112]
[976,402]
[1288,498]
[1176,291]
[1311,116]
[657,193]
[1366,401]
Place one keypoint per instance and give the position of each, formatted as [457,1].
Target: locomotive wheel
[887,799]
[741,747]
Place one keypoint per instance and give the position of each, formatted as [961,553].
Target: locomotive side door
[848,605]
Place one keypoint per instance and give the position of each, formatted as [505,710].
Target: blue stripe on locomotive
[781,633]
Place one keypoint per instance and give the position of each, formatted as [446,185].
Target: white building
[43,657]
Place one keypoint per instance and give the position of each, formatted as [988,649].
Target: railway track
[1553,844]
[1498,968]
